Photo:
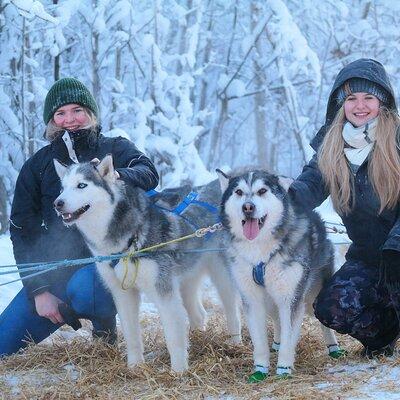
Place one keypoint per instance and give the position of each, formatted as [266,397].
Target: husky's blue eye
[239,192]
[81,185]
[262,191]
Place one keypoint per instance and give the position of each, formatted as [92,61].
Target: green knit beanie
[68,91]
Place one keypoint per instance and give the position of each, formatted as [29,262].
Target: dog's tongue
[251,228]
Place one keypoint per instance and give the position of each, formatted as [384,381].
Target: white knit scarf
[360,141]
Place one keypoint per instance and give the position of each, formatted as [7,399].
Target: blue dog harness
[259,269]
[191,198]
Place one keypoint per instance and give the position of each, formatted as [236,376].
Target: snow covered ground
[7,292]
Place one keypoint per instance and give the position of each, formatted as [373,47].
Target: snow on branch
[290,40]
[31,9]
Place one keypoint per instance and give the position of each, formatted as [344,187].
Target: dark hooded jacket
[371,233]
[37,233]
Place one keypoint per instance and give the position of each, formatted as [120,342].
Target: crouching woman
[49,300]
[357,163]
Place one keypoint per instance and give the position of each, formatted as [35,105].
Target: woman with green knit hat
[61,296]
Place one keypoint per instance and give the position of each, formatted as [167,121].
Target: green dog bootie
[260,373]
[336,352]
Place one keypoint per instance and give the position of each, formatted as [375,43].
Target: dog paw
[177,374]
[134,361]
[199,325]
[198,328]
[179,367]
[275,346]
[283,372]
[257,376]
[234,339]
[179,371]
[284,376]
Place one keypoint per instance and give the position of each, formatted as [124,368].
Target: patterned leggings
[354,302]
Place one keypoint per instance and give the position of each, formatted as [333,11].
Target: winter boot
[105,329]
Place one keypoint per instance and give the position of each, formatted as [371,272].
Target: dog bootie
[336,352]
[260,373]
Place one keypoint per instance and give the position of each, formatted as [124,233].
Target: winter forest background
[196,84]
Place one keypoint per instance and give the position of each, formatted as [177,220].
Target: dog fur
[109,214]
[266,227]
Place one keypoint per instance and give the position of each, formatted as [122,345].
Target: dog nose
[58,204]
[248,208]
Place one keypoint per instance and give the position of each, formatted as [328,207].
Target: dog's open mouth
[252,226]
[69,217]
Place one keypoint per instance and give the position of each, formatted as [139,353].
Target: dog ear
[106,166]
[95,162]
[285,182]
[60,168]
[223,180]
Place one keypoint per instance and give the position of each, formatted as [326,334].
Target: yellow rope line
[136,263]
[157,246]
[198,233]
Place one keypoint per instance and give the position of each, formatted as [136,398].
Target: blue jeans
[84,292]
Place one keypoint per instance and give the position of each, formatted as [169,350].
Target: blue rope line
[46,267]
[333,223]
[67,263]
[79,261]
[23,265]
[28,276]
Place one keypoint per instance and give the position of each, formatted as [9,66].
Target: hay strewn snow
[72,366]
[75,367]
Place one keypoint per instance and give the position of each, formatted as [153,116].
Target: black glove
[391,269]
[70,316]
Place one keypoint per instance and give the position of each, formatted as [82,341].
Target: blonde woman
[48,301]
[357,163]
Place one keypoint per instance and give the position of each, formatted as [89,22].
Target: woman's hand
[47,306]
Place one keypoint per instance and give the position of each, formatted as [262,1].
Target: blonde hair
[383,164]
[53,131]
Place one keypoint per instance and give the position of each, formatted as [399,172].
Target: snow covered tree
[195,84]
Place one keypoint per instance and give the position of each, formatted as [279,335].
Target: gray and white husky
[281,258]
[113,217]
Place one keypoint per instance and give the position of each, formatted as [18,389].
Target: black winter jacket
[37,234]
[371,233]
